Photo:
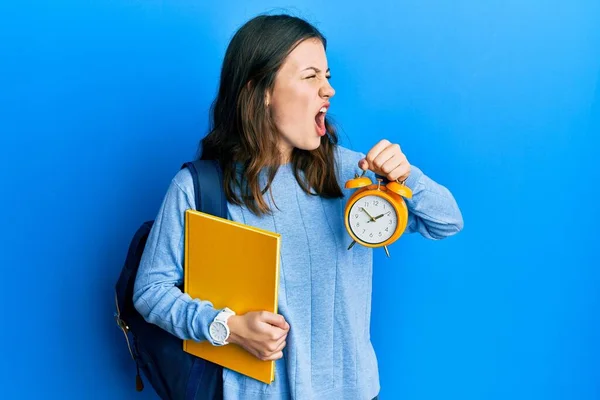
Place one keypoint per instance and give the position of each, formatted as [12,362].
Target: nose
[327,91]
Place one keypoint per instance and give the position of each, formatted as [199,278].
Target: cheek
[292,108]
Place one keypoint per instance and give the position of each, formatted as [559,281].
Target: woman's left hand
[386,159]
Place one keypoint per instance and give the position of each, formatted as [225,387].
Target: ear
[267,99]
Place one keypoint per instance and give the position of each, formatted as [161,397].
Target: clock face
[373,219]
[218,331]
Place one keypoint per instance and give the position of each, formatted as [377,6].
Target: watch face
[373,219]
[218,331]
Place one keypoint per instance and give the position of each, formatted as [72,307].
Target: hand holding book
[261,333]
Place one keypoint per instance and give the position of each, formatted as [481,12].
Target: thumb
[363,164]
[275,319]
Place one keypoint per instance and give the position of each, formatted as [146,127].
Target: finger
[274,356]
[363,164]
[404,177]
[270,347]
[391,152]
[281,346]
[374,152]
[274,319]
[276,334]
[391,164]
[400,173]
[281,340]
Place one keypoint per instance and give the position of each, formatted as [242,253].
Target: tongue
[320,119]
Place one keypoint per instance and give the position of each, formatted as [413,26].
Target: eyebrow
[317,70]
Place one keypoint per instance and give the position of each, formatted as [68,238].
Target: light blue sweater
[324,292]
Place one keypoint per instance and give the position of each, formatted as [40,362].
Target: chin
[313,145]
[309,144]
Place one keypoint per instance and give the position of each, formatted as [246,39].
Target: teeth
[323,110]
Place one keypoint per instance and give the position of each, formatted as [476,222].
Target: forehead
[309,53]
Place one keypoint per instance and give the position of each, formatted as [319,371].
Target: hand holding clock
[386,159]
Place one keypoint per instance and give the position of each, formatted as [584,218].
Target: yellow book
[231,265]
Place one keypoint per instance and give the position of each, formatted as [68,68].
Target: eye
[328,77]
[311,77]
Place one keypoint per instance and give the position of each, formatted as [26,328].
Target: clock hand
[366,212]
[379,216]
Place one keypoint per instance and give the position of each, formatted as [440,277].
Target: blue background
[102,101]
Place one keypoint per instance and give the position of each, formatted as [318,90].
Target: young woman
[284,172]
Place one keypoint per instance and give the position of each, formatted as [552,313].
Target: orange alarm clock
[376,215]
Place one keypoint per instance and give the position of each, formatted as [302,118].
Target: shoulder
[183,182]
[347,163]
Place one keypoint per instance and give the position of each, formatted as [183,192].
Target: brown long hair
[241,129]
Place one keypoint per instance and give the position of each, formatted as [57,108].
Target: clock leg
[352,244]
[386,251]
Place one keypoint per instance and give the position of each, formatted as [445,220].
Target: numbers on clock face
[372,219]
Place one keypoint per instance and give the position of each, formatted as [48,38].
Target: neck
[286,156]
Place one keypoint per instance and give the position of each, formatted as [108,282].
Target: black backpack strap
[208,187]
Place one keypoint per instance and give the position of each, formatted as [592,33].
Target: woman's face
[300,98]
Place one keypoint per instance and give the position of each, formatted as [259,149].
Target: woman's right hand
[262,333]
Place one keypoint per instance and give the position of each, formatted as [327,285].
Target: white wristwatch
[218,329]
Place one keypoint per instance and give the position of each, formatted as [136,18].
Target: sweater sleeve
[156,294]
[433,211]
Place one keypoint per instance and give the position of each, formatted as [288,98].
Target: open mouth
[320,120]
